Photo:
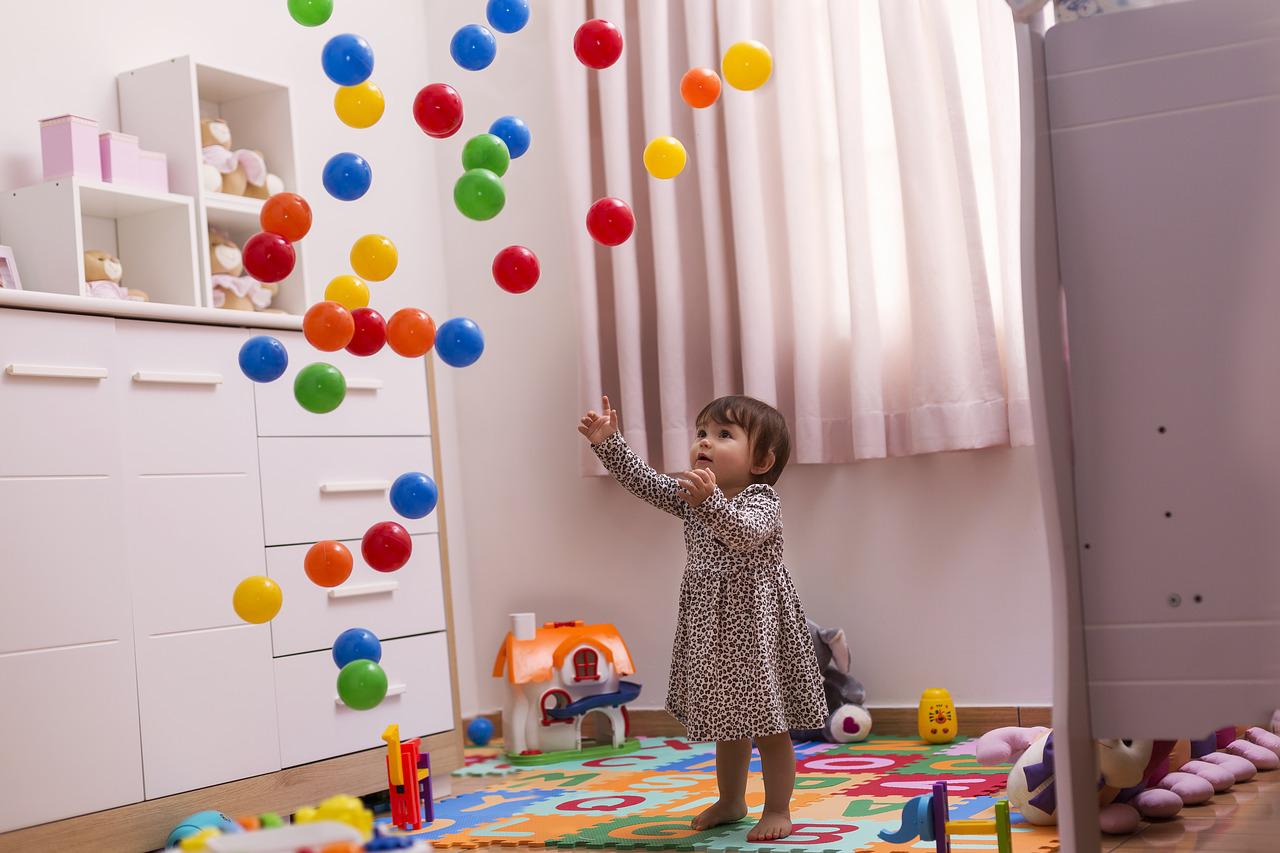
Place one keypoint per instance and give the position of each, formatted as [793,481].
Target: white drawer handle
[357,384]
[376,588]
[354,486]
[55,371]
[392,690]
[177,378]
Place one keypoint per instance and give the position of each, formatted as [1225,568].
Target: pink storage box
[153,171]
[119,158]
[69,146]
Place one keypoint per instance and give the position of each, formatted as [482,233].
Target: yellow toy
[343,808]
[198,842]
[936,718]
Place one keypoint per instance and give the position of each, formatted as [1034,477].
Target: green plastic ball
[311,13]
[486,151]
[320,387]
[479,194]
[362,684]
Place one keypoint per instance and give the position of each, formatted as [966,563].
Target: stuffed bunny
[847,720]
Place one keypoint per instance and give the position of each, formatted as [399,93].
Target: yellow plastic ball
[348,291]
[374,257]
[664,157]
[747,65]
[257,599]
[359,106]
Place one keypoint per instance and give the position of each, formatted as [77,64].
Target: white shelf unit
[51,225]
[163,104]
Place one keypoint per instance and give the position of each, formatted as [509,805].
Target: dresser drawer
[69,739]
[185,406]
[57,400]
[335,488]
[396,604]
[386,395]
[314,725]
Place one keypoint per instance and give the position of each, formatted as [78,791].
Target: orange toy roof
[535,660]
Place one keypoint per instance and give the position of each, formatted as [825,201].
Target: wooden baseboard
[145,825]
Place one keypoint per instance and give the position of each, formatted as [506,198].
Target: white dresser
[141,477]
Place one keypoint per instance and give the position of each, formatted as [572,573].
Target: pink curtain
[843,242]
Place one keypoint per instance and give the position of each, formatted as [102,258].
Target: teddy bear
[847,719]
[231,287]
[234,172]
[103,273]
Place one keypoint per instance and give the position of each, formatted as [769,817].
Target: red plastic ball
[268,257]
[386,546]
[516,269]
[370,334]
[286,214]
[597,43]
[610,221]
[438,110]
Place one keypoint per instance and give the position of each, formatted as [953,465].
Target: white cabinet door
[68,733]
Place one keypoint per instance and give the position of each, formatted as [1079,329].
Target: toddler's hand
[698,485]
[596,426]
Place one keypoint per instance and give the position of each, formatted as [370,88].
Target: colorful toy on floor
[936,716]
[408,781]
[194,824]
[847,720]
[927,817]
[344,809]
[480,731]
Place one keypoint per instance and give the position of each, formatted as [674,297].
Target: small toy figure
[408,781]
[936,718]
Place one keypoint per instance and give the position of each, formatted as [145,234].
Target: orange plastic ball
[700,87]
[327,563]
[286,214]
[328,326]
[411,332]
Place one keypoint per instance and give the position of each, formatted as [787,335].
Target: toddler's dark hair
[764,425]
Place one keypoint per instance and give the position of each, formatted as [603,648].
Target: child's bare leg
[778,763]
[733,758]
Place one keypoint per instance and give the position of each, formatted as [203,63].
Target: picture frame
[9,270]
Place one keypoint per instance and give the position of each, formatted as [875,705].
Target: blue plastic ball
[507,16]
[356,644]
[473,47]
[514,132]
[263,358]
[347,59]
[347,176]
[459,342]
[414,495]
[480,731]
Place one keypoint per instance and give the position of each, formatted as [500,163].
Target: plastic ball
[320,388]
[286,214]
[411,332]
[700,87]
[328,563]
[356,644]
[362,685]
[386,546]
[347,59]
[414,495]
[598,44]
[473,47]
[268,257]
[310,13]
[374,257]
[438,110]
[370,333]
[263,358]
[514,132]
[348,291]
[664,157]
[610,221]
[480,731]
[347,176]
[257,599]
[507,16]
[747,65]
[359,106]
[516,269]
[328,326]
[459,342]
[479,194]
[486,151]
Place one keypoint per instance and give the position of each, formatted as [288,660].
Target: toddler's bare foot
[723,811]
[772,825]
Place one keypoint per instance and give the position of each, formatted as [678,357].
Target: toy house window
[551,700]
[586,665]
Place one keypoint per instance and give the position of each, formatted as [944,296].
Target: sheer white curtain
[843,242]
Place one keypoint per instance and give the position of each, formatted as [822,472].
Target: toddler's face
[725,450]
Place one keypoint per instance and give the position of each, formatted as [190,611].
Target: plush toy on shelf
[231,171]
[231,287]
[103,273]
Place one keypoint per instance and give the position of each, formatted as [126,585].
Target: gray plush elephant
[847,720]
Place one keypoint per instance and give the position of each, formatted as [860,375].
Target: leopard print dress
[743,664]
